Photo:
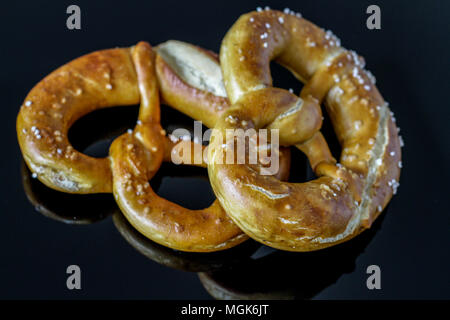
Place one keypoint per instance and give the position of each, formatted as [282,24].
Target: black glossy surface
[409,57]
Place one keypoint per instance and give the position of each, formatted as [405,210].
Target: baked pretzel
[347,196]
[104,79]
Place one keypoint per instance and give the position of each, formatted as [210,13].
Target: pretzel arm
[98,80]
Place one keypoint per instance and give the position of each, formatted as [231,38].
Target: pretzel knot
[347,196]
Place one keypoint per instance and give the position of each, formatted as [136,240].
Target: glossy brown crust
[346,197]
[98,80]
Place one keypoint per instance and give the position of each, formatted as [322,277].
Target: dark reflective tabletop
[44,231]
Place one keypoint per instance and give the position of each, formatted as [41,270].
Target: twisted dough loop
[98,80]
[346,197]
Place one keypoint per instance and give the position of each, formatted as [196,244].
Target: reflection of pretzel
[186,261]
[292,276]
[346,197]
[65,207]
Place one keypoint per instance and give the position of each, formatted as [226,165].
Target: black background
[410,58]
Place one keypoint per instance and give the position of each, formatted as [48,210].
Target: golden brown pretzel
[97,80]
[104,79]
[346,197]
[135,158]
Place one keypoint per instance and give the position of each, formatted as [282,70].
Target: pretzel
[105,79]
[135,158]
[347,196]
